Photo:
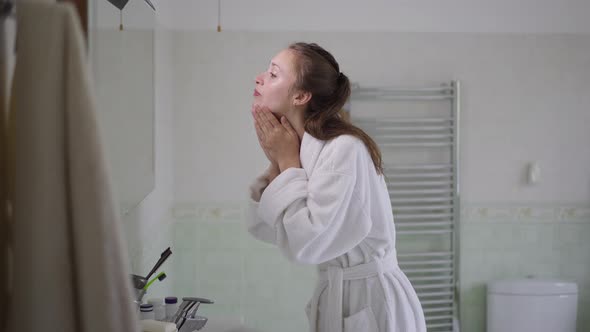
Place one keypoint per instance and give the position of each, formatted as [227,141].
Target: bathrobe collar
[309,152]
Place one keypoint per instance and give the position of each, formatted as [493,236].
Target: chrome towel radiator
[417,130]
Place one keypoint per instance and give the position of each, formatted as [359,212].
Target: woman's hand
[272,172]
[273,169]
[278,139]
[273,164]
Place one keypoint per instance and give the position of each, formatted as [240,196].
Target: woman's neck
[296,119]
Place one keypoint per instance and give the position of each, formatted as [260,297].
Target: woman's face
[273,86]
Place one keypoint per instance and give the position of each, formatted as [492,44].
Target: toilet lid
[533,286]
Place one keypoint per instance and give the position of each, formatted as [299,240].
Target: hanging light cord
[218,15]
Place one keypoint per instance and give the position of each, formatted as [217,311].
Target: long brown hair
[319,73]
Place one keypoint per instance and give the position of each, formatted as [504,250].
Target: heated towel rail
[417,130]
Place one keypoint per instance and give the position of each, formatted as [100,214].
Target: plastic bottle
[159,310]
[171,306]
[146,311]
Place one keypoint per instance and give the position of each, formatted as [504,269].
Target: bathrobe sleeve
[318,218]
[255,225]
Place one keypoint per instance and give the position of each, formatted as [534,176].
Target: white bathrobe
[335,212]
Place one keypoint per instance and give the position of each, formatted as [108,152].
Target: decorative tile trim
[210,212]
[184,210]
[470,212]
[525,213]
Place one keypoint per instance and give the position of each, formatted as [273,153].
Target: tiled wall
[510,241]
[216,258]
[250,281]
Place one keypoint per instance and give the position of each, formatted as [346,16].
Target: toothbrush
[161,276]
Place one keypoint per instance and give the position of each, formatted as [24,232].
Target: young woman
[323,199]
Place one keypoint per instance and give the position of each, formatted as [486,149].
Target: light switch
[534,172]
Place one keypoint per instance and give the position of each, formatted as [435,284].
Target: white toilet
[532,305]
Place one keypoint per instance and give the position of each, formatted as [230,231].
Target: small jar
[146,311]
[159,310]
[171,306]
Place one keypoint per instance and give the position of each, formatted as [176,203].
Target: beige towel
[70,266]
[3,179]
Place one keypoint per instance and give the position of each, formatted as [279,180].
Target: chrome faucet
[186,318]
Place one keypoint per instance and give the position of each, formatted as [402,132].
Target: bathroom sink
[226,324]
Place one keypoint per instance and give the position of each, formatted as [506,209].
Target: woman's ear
[301,98]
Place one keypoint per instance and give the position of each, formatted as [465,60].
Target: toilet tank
[532,305]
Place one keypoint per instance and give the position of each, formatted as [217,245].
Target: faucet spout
[185,318]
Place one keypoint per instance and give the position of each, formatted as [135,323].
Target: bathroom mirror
[121,47]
